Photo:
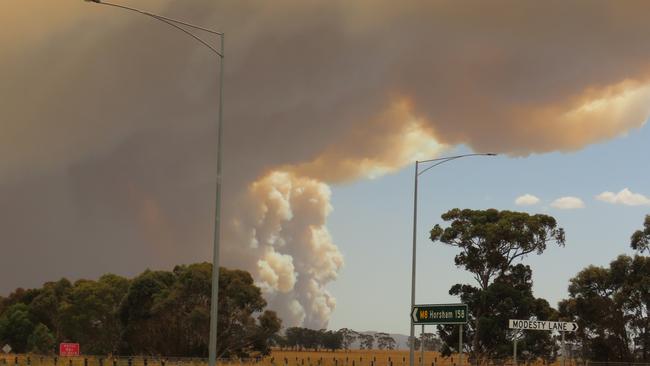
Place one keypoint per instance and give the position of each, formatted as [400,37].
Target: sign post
[460,345]
[561,327]
[441,314]
[563,351]
[422,347]
[514,350]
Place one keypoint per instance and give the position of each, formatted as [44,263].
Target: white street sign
[542,325]
[6,348]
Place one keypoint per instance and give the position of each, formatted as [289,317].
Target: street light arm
[214,297]
[449,158]
[171,22]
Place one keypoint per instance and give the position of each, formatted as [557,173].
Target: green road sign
[439,314]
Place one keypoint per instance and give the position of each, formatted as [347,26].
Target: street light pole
[415,220]
[179,25]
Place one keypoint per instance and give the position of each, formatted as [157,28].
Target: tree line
[610,304]
[297,338]
[156,313]
[167,312]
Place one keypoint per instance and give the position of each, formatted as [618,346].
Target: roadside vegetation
[162,314]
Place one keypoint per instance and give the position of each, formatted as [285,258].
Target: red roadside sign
[68,349]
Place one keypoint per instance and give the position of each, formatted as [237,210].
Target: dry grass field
[277,358]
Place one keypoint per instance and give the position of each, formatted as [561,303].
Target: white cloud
[526,200]
[624,197]
[568,203]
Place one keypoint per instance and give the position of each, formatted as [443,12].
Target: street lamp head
[94,1]
[491,154]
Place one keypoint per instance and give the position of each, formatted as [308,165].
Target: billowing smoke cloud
[107,121]
[282,236]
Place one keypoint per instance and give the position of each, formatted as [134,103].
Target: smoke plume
[107,121]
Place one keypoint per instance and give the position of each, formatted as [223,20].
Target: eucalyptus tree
[490,242]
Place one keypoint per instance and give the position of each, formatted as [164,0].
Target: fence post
[70,362]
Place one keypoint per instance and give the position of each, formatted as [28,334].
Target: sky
[377,242]
[107,134]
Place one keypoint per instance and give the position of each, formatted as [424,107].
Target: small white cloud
[568,203]
[624,197]
[526,200]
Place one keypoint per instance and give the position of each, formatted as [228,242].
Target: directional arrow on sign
[574,327]
[413,314]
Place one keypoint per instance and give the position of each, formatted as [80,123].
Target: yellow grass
[277,358]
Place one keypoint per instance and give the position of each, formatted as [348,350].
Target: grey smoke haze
[107,121]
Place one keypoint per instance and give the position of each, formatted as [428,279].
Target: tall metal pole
[214,302]
[415,220]
[460,345]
